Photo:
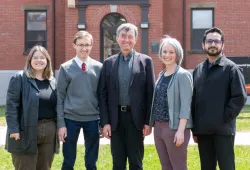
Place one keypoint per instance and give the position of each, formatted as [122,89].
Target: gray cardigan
[179,92]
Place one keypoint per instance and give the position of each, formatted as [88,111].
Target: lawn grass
[2,116]
[242,123]
[151,161]
[246,109]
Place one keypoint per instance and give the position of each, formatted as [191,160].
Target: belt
[124,108]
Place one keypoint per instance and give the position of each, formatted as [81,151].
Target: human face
[168,55]
[38,61]
[126,41]
[83,47]
[213,44]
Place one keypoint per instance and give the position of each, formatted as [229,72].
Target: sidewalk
[242,138]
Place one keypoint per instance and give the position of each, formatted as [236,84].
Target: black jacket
[219,95]
[22,105]
[140,90]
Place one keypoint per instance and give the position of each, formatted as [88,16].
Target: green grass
[151,161]
[246,108]
[242,120]
[242,123]
[2,116]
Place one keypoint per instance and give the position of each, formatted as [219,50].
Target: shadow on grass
[243,118]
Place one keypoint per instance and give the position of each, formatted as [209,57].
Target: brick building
[53,23]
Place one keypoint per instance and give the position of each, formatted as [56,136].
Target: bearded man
[219,94]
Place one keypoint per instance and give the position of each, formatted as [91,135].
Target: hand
[101,133]
[62,133]
[146,130]
[107,131]
[195,139]
[15,136]
[179,138]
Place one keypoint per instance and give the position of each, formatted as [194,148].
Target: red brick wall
[71,20]
[12,27]
[156,27]
[233,18]
[132,13]
[94,16]
[60,33]
[165,17]
[173,20]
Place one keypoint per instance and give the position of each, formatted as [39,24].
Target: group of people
[120,100]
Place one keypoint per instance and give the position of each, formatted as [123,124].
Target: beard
[214,53]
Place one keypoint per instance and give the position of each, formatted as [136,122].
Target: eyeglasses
[211,41]
[83,45]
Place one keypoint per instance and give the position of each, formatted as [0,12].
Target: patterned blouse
[160,106]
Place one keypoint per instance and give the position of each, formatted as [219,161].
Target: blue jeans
[91,142]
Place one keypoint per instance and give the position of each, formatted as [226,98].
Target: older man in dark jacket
[219,95]
[126,89]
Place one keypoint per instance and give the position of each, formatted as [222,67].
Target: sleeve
[62,84]
[185,83]
[149,88]
[238,95]
[14,104]
[103,96]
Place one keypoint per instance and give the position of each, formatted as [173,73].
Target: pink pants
[171,157]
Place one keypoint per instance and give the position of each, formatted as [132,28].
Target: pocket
[17,145]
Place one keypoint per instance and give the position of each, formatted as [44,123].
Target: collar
[176,69]
[220,61]
[79,62]
[128,57]
[161,75]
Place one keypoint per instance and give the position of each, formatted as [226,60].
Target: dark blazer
[140,91]
[219,94]
[22,105]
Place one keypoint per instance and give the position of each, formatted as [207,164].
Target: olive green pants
[46,136]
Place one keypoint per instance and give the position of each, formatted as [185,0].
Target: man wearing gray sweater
[77,103]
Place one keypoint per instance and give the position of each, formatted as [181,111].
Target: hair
[127,27]
[212,30]
[176,44]
[30,72]
[81,35]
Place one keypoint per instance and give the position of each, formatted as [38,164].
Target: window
[109,25]
[35,29]
[202,19]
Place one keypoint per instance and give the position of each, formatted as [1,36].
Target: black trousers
[127,142]
[213,148]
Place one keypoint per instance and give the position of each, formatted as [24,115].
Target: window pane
[202,19]
[31,44]
[109,26]
[36,21]
[36,35]
[197,36]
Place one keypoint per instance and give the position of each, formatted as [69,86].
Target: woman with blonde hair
[31,114]
[170,114]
